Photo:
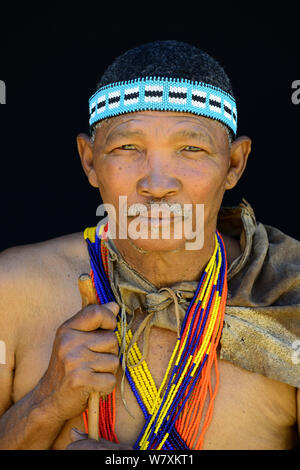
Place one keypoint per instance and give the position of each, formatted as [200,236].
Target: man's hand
[84,359]
[81,441]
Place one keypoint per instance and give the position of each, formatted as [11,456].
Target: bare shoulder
[38,292]
[67,248]
[31,275]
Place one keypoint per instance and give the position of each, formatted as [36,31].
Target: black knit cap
[172,59]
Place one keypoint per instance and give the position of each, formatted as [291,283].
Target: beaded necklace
[173,414]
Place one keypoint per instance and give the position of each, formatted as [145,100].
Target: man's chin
[151,245]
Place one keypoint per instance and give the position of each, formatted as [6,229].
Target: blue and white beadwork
[163,94]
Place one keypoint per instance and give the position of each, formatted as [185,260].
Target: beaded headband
[163,94]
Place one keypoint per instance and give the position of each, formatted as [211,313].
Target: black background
[51,59]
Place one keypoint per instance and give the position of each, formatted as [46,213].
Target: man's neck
[165,268]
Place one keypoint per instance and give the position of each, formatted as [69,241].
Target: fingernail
[78,432]
[113,307]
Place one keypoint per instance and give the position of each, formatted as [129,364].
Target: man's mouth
[156,212]
[158,215]
[159,221]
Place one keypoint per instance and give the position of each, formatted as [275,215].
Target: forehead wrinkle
[124,133]
[124,124]
[121,125]
[192,134]
[179,134]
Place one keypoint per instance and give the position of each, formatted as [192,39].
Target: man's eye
[128,147]
[192,148]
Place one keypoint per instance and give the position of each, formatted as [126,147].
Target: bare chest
[250,411]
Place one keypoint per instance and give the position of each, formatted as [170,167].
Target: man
[163,130]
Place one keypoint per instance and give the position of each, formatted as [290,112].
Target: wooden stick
[88,296]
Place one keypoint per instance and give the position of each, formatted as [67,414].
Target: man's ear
[85,151]
[240,149]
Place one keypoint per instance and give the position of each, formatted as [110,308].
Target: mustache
[157,208]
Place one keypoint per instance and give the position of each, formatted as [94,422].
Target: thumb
[77,435]
[113,307]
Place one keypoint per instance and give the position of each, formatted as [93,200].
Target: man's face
[168,157]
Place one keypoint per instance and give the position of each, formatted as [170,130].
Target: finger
[102,362]
[84,444]
[113,307]
[77,435]
[92,444]
[103,382]
[102,342]
[95,316]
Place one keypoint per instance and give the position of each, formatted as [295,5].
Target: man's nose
[158,183]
